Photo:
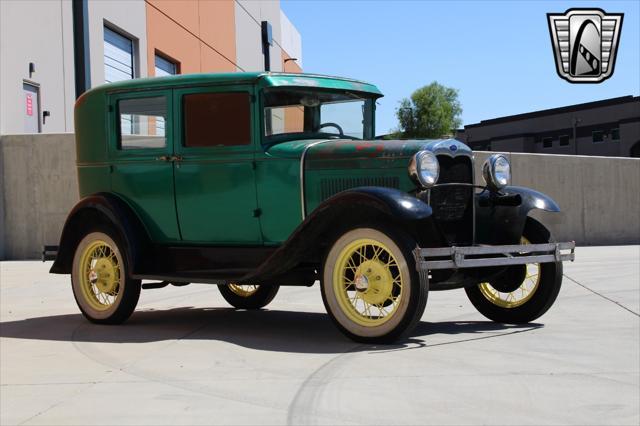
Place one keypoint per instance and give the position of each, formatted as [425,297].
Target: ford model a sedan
[252,181]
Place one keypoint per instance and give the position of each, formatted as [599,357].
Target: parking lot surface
[185,357]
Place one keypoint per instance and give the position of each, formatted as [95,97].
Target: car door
[214,176]
[140,152]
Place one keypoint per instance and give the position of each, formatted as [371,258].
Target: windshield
[309,114]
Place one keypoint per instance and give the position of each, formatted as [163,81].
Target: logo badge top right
[585,43]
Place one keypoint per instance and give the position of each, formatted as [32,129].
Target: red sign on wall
[29,104]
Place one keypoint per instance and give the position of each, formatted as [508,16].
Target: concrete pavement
[186,358]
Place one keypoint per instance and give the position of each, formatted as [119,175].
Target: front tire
[248,296]
[535,294]
[101,286]
[370,287]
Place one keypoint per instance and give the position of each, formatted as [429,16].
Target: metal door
[214,176]
[31,108]
[141,155]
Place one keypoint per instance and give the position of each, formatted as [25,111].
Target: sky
[497,54]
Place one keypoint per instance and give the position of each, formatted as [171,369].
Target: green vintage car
[252,181]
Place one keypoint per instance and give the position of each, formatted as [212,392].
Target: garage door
[118,56]
[118,65]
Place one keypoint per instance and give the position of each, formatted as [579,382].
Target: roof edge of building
[550,111]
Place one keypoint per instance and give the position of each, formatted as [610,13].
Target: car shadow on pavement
[270,330]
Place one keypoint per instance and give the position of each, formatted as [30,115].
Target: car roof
[263,79]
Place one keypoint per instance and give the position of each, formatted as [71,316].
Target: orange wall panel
[291,66]
[185,12]
[212,61]
[171,39]
[294,119]
[218,26]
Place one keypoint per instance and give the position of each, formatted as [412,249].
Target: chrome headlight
[496,172]
[424,168]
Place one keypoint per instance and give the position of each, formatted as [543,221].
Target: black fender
[102,209]
[393,202]
[501,217]
[309,241]
[532,199]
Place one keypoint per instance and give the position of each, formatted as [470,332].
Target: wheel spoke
[382,280]
[518,296]
[377,251]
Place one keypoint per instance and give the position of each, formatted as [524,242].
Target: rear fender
[97,210]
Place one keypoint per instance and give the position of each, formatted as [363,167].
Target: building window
[547,142]
[564,140]
[137,122]
[118,56]
[165,67]
[615,134]
[217,119]
[598,136]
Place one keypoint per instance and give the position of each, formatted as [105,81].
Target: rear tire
[100,279]
[531,299]
[370,287]
[248,296]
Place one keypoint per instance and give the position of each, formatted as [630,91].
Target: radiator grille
[453,205]
[329,187]
[450,203]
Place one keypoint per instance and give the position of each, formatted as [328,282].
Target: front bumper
[481,256]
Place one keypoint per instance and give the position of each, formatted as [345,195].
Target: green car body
[266,210]
[104,168]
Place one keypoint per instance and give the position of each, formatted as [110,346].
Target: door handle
[169,158]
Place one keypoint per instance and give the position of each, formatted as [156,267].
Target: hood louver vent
[329,187]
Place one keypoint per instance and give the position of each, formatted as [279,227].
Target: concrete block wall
[38,187]
[599,196]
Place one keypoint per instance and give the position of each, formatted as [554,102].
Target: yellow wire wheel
[241,290]
[248,296]
[99,280]
[520,295]
[367,283]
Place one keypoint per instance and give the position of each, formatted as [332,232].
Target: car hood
[336,149]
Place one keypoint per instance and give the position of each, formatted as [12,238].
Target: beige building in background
[52,50]
[125,39]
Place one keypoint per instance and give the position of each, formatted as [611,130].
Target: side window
[141,123]
[217,119]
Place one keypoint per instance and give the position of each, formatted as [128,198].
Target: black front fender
[500,218]
[347,209]
[532,199]
[390,201]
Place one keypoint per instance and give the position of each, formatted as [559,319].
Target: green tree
[433,111]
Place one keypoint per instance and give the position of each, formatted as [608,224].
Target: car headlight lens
[496,172]
[424,168]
